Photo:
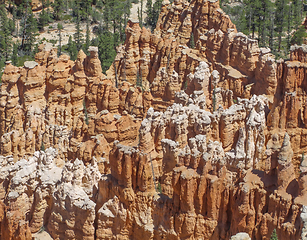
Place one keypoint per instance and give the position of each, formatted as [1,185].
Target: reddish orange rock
[172,143]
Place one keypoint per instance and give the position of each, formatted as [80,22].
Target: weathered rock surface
[240,236]
[172,143]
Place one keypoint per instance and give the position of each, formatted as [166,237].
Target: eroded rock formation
[172,143]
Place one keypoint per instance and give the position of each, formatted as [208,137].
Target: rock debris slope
[172,143]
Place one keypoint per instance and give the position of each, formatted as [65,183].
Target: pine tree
[262,10]
[111,31]
[24,22]
[140,14]
[30,33]
[113,16]
[14,57]
[42,147]
[60,27]
[85,112]
[274,235]
[185,85]
[140,18]
[5,35]
[149,12]
[29,30]
[153,11]
[271,22]
[107,15]
[81,9]
[299,35]
[78,35]
[11,23]
[139,81]
[159,188]
[14,13]
[48,10]
[107,52]
[271,29]
[43,17]
[297,13]
[289,24]
[87,37]
[72,49]
[58,9]
[281,11]
[127,7]
[192,41]
[214,99]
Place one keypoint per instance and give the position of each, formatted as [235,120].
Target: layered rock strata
[67,105]
[172,143]
[209,192]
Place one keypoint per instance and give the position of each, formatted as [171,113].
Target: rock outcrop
[173,142]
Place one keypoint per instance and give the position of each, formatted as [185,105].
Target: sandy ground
[68,30]
[134,10]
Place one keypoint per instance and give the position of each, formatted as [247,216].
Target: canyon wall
[173,142]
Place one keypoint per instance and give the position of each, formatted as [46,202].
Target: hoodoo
[173,142]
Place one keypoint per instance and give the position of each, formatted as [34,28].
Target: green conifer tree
[42,147]
[14,57]
[192,41]
[299,36]
[107,52]
[149,11]
[159,188]
[274,235]
[281,11]
[58,9]
[111,31]
[60,28]
[14,13]
[48,7]
[140,14]
[139,81]
[5,35]
[72,49]
[29,30]
[85,112]
[153,11]
[214,99]
[87,37]
[297,6]
[78,35]
[43,17]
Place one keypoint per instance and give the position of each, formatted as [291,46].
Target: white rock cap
[30,64]
[241,236]
[93,49]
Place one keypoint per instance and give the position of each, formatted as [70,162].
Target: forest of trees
[275,24]
[19,26]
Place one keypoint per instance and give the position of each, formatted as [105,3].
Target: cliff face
[174,143]
[55,102]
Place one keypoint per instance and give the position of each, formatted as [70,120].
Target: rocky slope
[173,143]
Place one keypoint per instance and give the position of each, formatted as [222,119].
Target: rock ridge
[173,142]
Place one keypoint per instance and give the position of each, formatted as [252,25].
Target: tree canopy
[272,23]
